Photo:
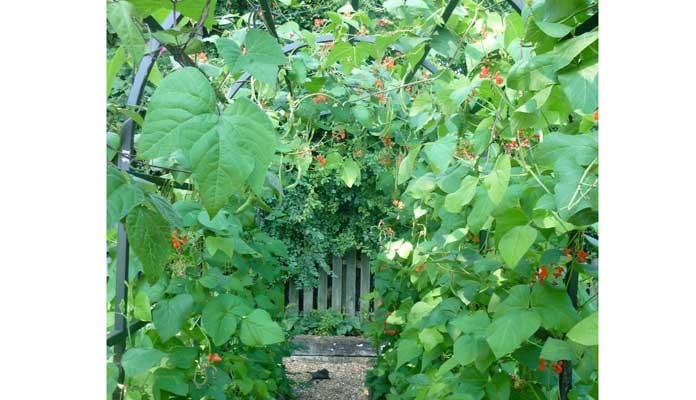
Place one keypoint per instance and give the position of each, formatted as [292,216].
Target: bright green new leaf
[137,361]
[496,183]
[262,58]
[407,350]
[215,243]
[430,337]
[350,172]
[121,195]
[463,196]
[585,332]
[121,16]
[556,350]
[141,307]
[554,307]
[113,67]
[554,29]
[440,152]
[408,164]
[515,243]
[507,333]
[465,349]
[514,28]
[149,235]
[169,315]
[221,315]
[258,329]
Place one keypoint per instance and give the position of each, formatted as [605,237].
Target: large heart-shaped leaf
[137,361]
[169,315]
[221,315]
[496,183]
[515,243]
[508,332]
[554,307]
[258,329]
[225,150]
[585,332]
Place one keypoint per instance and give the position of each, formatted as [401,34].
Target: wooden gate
[341,292]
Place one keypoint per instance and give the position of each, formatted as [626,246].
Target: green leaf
[440,152]
[556,350]
[430,337]
[585,332]
[169,315]
[407,350]
[113,67]
[496,182]
[475,324]
[113,142]
[536,102]
[514,28]
[215,243]
[350,172]
[111,379]
[463,196]
[121,195]
[515,243]
[221,315]
[183,357]
[507,333]
[225,150]
[121,16]
[518,299]
[580,148]
[553,29]
[498,388]
[408,164]
[141,307]
[581,87]
[149,235]
[258,329]
[170,380]
[465,349]
[564,53]
[554,307]
[262,58]
[165,209]
[137,361]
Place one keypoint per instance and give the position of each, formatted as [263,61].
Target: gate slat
[307,300]
[350,282]
[336,283]
[321,292]
[364,281]
[293,296]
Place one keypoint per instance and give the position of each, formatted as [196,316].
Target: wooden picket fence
[340,292]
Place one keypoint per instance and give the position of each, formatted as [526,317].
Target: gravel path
[347,377]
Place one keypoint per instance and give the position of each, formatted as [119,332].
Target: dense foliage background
[474,188]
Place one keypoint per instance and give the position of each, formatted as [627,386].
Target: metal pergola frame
[117,338]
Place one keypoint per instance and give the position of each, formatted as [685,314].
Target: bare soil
[347,377]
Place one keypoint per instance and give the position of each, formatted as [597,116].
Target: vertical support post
[364,282]
[565,379]
[351,282]
[322,290]
[336,284]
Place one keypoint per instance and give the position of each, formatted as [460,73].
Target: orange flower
[559,271]
[378,83]
[568,252]
[542,364]
[498,79]
[388,62]
[318,22]
[557,367]
[389,231]
[382,22]
[319,98]
[420,268]
[389,332]
[387,140]
[542,273]
[484,72]
[202,57]
[214,358]
[582,256]
[596,115]
[176,243]
[320,159]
